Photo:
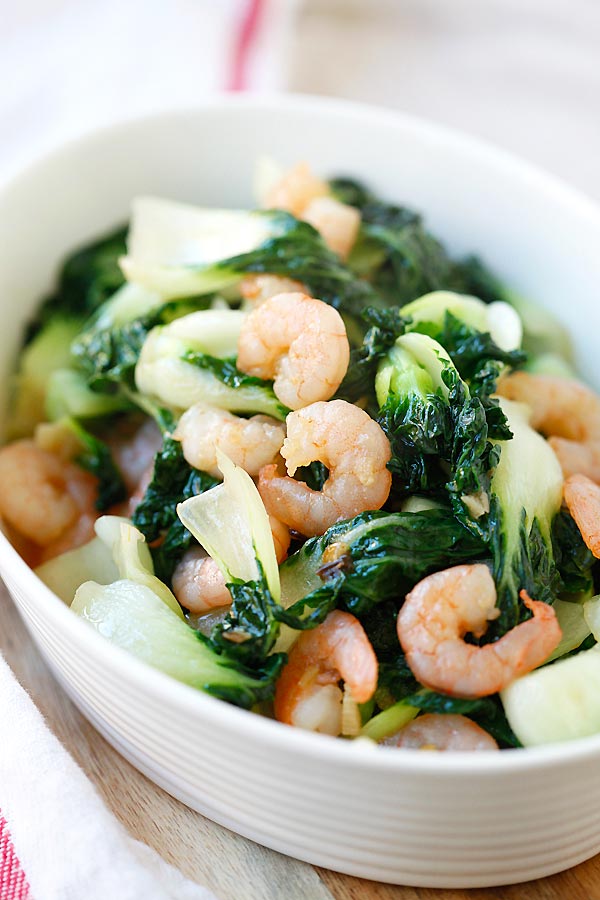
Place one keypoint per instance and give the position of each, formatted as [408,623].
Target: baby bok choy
[192,360]
[108,346]
[525,496]
[231,523]
[138,613]
[373,558]
[182,251]
[498,319]
[559,702]
[179,250]
[440,434]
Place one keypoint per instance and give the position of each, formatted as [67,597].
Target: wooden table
[233,867]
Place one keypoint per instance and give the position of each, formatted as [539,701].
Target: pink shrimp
[298,341]
[435,731]
[198,582]
[355,450]
[307,693]
[44,498]
[567,412]
[309,198]
[255,289]
[582,498]
[445,606]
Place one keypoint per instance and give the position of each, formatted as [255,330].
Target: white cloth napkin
[68,844]
[68,66]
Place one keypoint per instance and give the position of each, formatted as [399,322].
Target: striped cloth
[13,882]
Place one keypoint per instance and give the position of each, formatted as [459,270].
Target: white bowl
[438,820]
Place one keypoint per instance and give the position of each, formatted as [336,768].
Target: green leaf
[385,326]
[97,459]
[401,258]
[107,351]
[131,616]
[173,480]
[88,277]
[574,560]
[525,496]
[478,359]
[380,556]
[226,371]
[249,631]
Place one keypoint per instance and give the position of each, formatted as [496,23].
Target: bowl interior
[540,237]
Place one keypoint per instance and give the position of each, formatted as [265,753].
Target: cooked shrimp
[298,341]
[582,497]
[307,693]
[445,606]
[354,449]
[58,439]
[198,582]
[255,289]
[295,190]
[309,198]
[281,538]
[42,496]
[129,506]
[442,732]
[576,458]
[336,222]
[251,443]
[134,454]
[81,532]
[567,412]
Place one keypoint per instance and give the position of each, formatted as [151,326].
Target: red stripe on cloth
[242,47]
[13,883]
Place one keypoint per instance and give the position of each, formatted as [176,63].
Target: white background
[523,73]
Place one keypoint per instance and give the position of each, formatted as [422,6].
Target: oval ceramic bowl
[404,817]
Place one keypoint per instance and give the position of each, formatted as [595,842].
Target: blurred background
[524,74]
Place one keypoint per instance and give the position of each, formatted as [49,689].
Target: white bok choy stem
[177,250]
[231,523]
[132,558]
[65,573]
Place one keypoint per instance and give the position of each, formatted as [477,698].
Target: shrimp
[43,497]
[309,198]
[336,222]
[582,497]
[565,411]
[129,506]
[198,582]
[298,341]
[134,454]
[354,449]
[251,443]
[445,606]
[295,190]
[307,693]
[281,538]
[255,289]
[435,731]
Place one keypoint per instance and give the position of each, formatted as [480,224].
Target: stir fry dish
[303,459]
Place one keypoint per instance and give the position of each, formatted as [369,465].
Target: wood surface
[233,867]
